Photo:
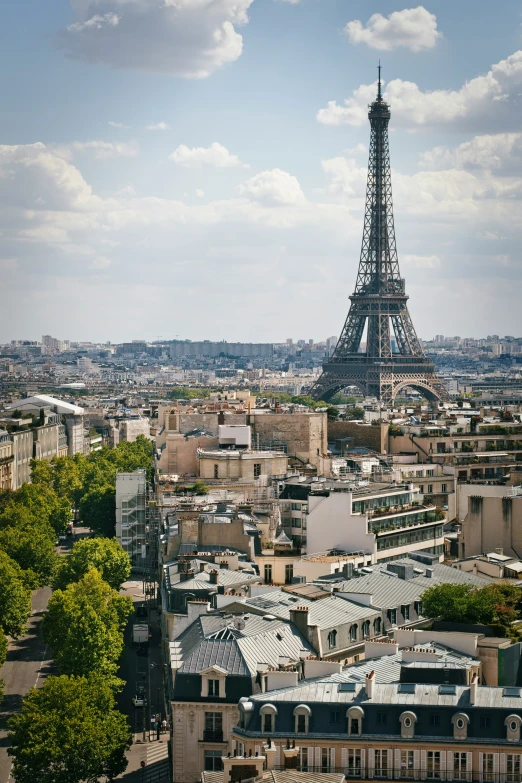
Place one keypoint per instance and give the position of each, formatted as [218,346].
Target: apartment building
[131,502]
[491,520]
[381,520]
[6,460]
[401,730]
[240,465]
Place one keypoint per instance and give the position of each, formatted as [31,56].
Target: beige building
[303,435]
[6,460]
[178,455]
[22,456]
[493,520]
[229,464]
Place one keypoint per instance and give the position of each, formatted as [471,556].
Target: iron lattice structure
[379,298]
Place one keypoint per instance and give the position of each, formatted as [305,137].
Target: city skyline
[217,186]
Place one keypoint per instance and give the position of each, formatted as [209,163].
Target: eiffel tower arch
[379,302]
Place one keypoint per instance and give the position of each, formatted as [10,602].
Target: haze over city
[201,171]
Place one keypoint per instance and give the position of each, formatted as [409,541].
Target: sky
[196,169]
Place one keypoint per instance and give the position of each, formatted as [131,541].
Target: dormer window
[213,687]
[268,715]
[355,717]
[332,639]
[213,681]
[302,715]
[512,724]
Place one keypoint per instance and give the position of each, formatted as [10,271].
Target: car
[62,538]
[139,701]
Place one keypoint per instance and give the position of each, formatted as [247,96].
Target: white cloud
[491,101]
[412,28]
[420,262]
[101,149]
[216,155]
[190,38]
[117,124]
[161,126]
[500,152]
[273,188]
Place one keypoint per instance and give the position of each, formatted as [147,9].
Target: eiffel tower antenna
[379,302]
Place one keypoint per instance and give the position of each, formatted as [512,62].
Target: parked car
[139,701]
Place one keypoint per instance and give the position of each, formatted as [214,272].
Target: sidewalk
[146,670]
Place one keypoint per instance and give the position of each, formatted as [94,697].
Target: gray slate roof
[326,689]
[389,591]
[326,613]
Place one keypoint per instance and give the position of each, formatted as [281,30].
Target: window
[381,762]
[459,766]
[382,718]
[213,687]
[377,626]
[513,767]
[268,723]
[407,769]
[444,488]
[216,471]
[213,727]
[392,616]
[325,759]
[332,639]
[487,767]
[268,575]
[301,724]
[421,489]
[366,629]
[433,770]
[257,469]
[418,607]
[303,760]
[354,763]
[335,716]
[213,761]
[353,633]
[434,721]
[430,472]
[405,611]
[485,722]
[354,725]
[289,574]
[430,489]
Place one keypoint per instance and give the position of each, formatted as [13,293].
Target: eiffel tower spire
[379,301]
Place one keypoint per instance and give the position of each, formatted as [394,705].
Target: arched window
[332,639]
[355,717]
[408,720]
[512,724]
[377,625]
[366,629]
[302,715]
[268,714]
[460,725]
[353,633]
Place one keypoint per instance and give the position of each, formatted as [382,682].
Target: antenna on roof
[379,95]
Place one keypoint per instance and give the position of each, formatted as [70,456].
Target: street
[27,665]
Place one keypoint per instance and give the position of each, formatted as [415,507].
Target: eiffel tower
[379,298]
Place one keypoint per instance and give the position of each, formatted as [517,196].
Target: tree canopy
[15,597]
[496,605]
[84,625]
[104,554]
[69,732]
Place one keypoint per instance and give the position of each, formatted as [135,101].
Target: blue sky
[196,168]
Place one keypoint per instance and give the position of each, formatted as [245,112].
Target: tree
[496,605]
[355,413]
[84,625]
[38,504]
[69,732]
[15,597]
[104,554]
[98,509]
[33,550]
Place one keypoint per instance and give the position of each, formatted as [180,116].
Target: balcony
[212,735]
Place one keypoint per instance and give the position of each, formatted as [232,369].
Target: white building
[383,521]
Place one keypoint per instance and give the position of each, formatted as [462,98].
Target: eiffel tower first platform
[379,298]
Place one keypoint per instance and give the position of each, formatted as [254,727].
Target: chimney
[202,566]
[213,577]
[473,690]
[370,680]
[299,617]
[184,576]
[429,573]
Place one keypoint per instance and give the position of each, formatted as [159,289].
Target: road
[27,665]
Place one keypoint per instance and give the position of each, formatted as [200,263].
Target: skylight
[514,693]
[346,687]
[448,690]
[407,687]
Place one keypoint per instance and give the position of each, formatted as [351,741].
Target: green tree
[355,413]
[496,605]
[84,625]
[69,731]
[33,550]
[15,597]
[43,507]
[98,509]
[104,554]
